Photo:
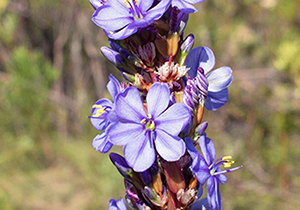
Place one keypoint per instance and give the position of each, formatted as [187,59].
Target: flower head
[143,133]
[120,18]
[206,168]
[103,115]
[201,60]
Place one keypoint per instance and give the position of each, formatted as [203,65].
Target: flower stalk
[157,114]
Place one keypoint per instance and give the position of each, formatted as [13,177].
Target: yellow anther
[97,106]
[227,165]
[143,121]
[152,125]
[99,112]
[149,116]
[228,162]
[127,3]
[226,158]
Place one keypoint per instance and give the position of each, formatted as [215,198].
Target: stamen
[99,112]
[133,8]
[143,121]
[149,116]
[228,162]
[227,157]
[152,125]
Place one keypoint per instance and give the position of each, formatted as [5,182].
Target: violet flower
[186,5]
[145,133]
[117,205]
[206,168]
[200,61]
[103,114]
[122,18]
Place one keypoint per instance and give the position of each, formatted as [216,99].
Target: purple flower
[103,114]
[186,5]
[201,60]
[206,168]
[122,18]
[143,134]
[117,205]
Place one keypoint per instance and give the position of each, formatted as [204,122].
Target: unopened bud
[201,128]
[185,48]
[113,56]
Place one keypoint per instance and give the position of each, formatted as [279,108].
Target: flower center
[100,110]
[134,9]
[148,122]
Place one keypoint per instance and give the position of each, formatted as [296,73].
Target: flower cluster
[156,115]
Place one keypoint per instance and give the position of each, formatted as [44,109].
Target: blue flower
[103,114]
[117,205]
[186,5]
[122,18]
[143,133]
[206,168]
[201,60]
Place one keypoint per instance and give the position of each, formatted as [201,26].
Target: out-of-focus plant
[25,107]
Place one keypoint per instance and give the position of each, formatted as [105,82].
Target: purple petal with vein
[200,57]
[140,153]
[215,100]
[170,148]
[219,79]
[174,119]
[156,107]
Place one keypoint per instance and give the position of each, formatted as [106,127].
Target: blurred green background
[51,72]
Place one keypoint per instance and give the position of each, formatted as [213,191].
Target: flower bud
[113,56]
[201,128]
[185,48]
[121,165]
[182,19]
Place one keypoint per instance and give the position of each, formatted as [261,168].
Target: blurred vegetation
[51,71]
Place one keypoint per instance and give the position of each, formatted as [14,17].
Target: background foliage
[51,72]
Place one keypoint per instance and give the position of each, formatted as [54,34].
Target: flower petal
[170,148]
[113,87]
[199,165]
[96,3]
[144,5]
[156,105]
[213,195]
[184,6]
[215,100]
[129,106]
[121,34]
[207,148]
[219,79]
[194,1]
[221,178]
[140,153]
[101,143]
[117,205]
[200,57]
[156,12]
[101,122]
[174,119]
[111,17]
[122,133]
[201,205]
